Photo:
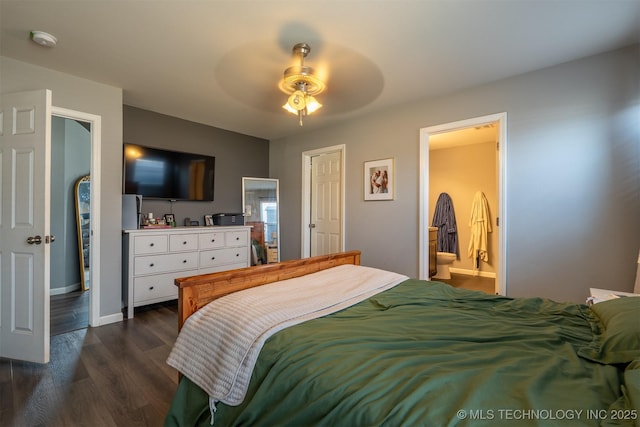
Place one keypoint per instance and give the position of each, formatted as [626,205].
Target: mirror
[260,198]
[83,221]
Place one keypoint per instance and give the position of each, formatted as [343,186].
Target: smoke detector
[43,39]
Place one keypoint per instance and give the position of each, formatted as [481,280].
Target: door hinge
[498,145]
[497,221]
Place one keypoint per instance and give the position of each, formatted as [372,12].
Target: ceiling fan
[301,83]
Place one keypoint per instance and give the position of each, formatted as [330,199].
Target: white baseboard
[112,318]
[476,273]
[65,289]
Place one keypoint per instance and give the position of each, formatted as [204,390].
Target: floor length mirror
[260,198]
[83,221]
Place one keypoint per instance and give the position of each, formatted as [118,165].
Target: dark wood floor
[113,375]
[69,312]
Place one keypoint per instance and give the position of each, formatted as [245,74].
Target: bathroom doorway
[462,159]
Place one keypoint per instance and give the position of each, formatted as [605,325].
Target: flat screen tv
[163,174]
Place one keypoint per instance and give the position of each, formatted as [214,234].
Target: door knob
[34,240]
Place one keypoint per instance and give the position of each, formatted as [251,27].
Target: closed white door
[326,209]
[25,151]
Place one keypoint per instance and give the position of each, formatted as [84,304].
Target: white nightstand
[599,295]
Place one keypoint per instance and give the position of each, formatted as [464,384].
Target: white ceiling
[218,62]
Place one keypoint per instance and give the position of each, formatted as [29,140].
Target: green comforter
[426,354]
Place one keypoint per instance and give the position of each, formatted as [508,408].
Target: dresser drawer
[211,240]
[183,242]
[158,287]
[154,264]
[236,238]
[146,245]
[224,256]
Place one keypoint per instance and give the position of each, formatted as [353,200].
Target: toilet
[443,261]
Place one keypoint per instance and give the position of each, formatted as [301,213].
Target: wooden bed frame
[196,291]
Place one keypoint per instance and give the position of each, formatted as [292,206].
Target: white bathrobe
[480,224]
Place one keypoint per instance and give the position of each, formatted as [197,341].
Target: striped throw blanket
[218,346]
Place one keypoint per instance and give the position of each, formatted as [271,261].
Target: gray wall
[236,156]
[106,101]
[573,168]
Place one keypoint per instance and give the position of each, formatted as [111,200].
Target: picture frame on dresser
[208,220]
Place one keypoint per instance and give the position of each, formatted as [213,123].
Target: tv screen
[162,174]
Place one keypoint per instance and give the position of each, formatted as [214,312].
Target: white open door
[326,198]
[25,153]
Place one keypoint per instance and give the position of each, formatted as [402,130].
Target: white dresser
[154,258]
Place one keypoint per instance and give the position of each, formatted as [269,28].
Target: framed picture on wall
[379,180]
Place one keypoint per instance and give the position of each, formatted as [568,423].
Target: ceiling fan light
[297,101]
[287,107]
[312,104]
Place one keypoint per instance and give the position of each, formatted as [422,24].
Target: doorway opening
[433,137]
[75,207]
[70,278]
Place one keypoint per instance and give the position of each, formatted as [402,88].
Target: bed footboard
[196,291]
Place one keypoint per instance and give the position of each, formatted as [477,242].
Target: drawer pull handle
[237,238]
[213,240]
[150,288]
[151,244]
[151,265]
[184,261]
[212,258]
[237,254]
[184,243]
